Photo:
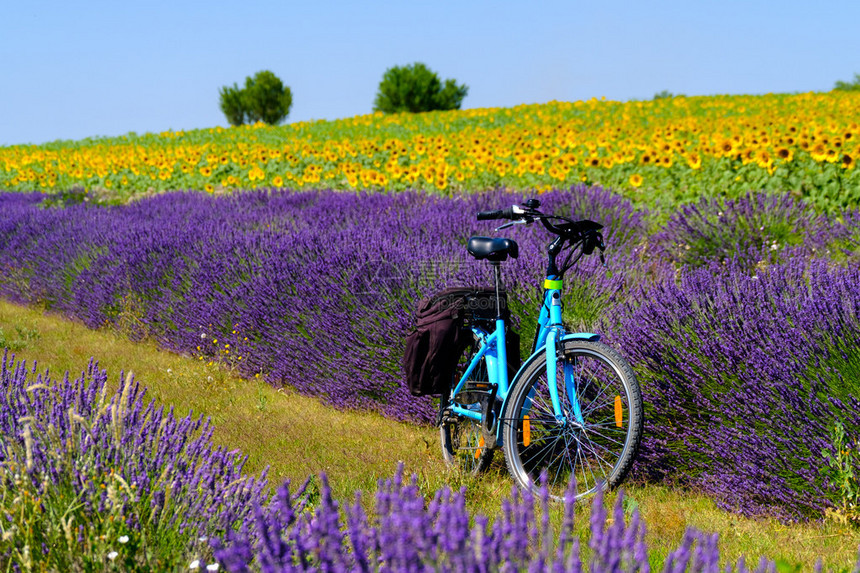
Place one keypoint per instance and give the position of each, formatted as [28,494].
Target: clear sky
[73,69]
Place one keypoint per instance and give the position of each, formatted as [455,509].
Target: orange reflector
[527,431]
[480,447]
[618,411]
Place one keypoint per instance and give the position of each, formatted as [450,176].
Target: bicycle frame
[549,333]
[493,349]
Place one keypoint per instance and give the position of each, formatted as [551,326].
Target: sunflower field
[662,151]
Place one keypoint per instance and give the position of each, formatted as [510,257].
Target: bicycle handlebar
[529,213]
[585,232]
[499,214]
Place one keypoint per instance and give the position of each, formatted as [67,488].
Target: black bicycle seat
[493,249]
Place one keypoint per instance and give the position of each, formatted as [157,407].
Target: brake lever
[506,225]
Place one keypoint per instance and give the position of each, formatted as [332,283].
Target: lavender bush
[751,228]
[742,376]
[90,477]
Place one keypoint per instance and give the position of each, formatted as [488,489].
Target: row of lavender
[328,277]
[739,318]
[86,472]
[106,481]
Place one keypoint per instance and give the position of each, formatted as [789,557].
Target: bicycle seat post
[497,275]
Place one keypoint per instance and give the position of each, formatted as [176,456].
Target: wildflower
[212,567]
[123,539]
[195,564]
[112,555]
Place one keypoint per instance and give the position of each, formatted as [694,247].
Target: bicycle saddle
[493,249]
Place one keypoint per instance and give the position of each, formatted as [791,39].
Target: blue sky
[81,69]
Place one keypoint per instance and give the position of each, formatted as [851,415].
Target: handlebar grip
[499,214]
[485,215]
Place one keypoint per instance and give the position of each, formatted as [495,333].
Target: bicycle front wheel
[594,439]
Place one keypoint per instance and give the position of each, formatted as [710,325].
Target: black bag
[442,334]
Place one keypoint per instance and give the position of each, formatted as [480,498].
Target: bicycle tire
[598,453]
[462,439]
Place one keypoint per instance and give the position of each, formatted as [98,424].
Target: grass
[296,436]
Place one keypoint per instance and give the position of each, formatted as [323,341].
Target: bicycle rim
[595,452]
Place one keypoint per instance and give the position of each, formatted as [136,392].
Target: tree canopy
[264,98]
[415,88]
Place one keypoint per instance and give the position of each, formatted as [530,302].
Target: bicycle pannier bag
[441,336]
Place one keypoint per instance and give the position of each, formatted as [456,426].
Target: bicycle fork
[569,381]
[552,311]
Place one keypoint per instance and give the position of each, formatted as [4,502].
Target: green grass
[296,436]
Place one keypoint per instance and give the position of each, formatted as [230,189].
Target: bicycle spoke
[598,456]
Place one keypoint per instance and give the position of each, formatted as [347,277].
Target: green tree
[264,98]
[232,105]
[415,88]
[848,86]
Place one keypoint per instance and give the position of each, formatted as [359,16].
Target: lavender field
[741,318]
[106,481]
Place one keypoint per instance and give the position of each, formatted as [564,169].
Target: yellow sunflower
[785,153]
[694,160]
[726,147]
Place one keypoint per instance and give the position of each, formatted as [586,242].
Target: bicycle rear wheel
[595,452]
[463,443]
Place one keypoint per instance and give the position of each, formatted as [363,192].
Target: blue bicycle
[572,410]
